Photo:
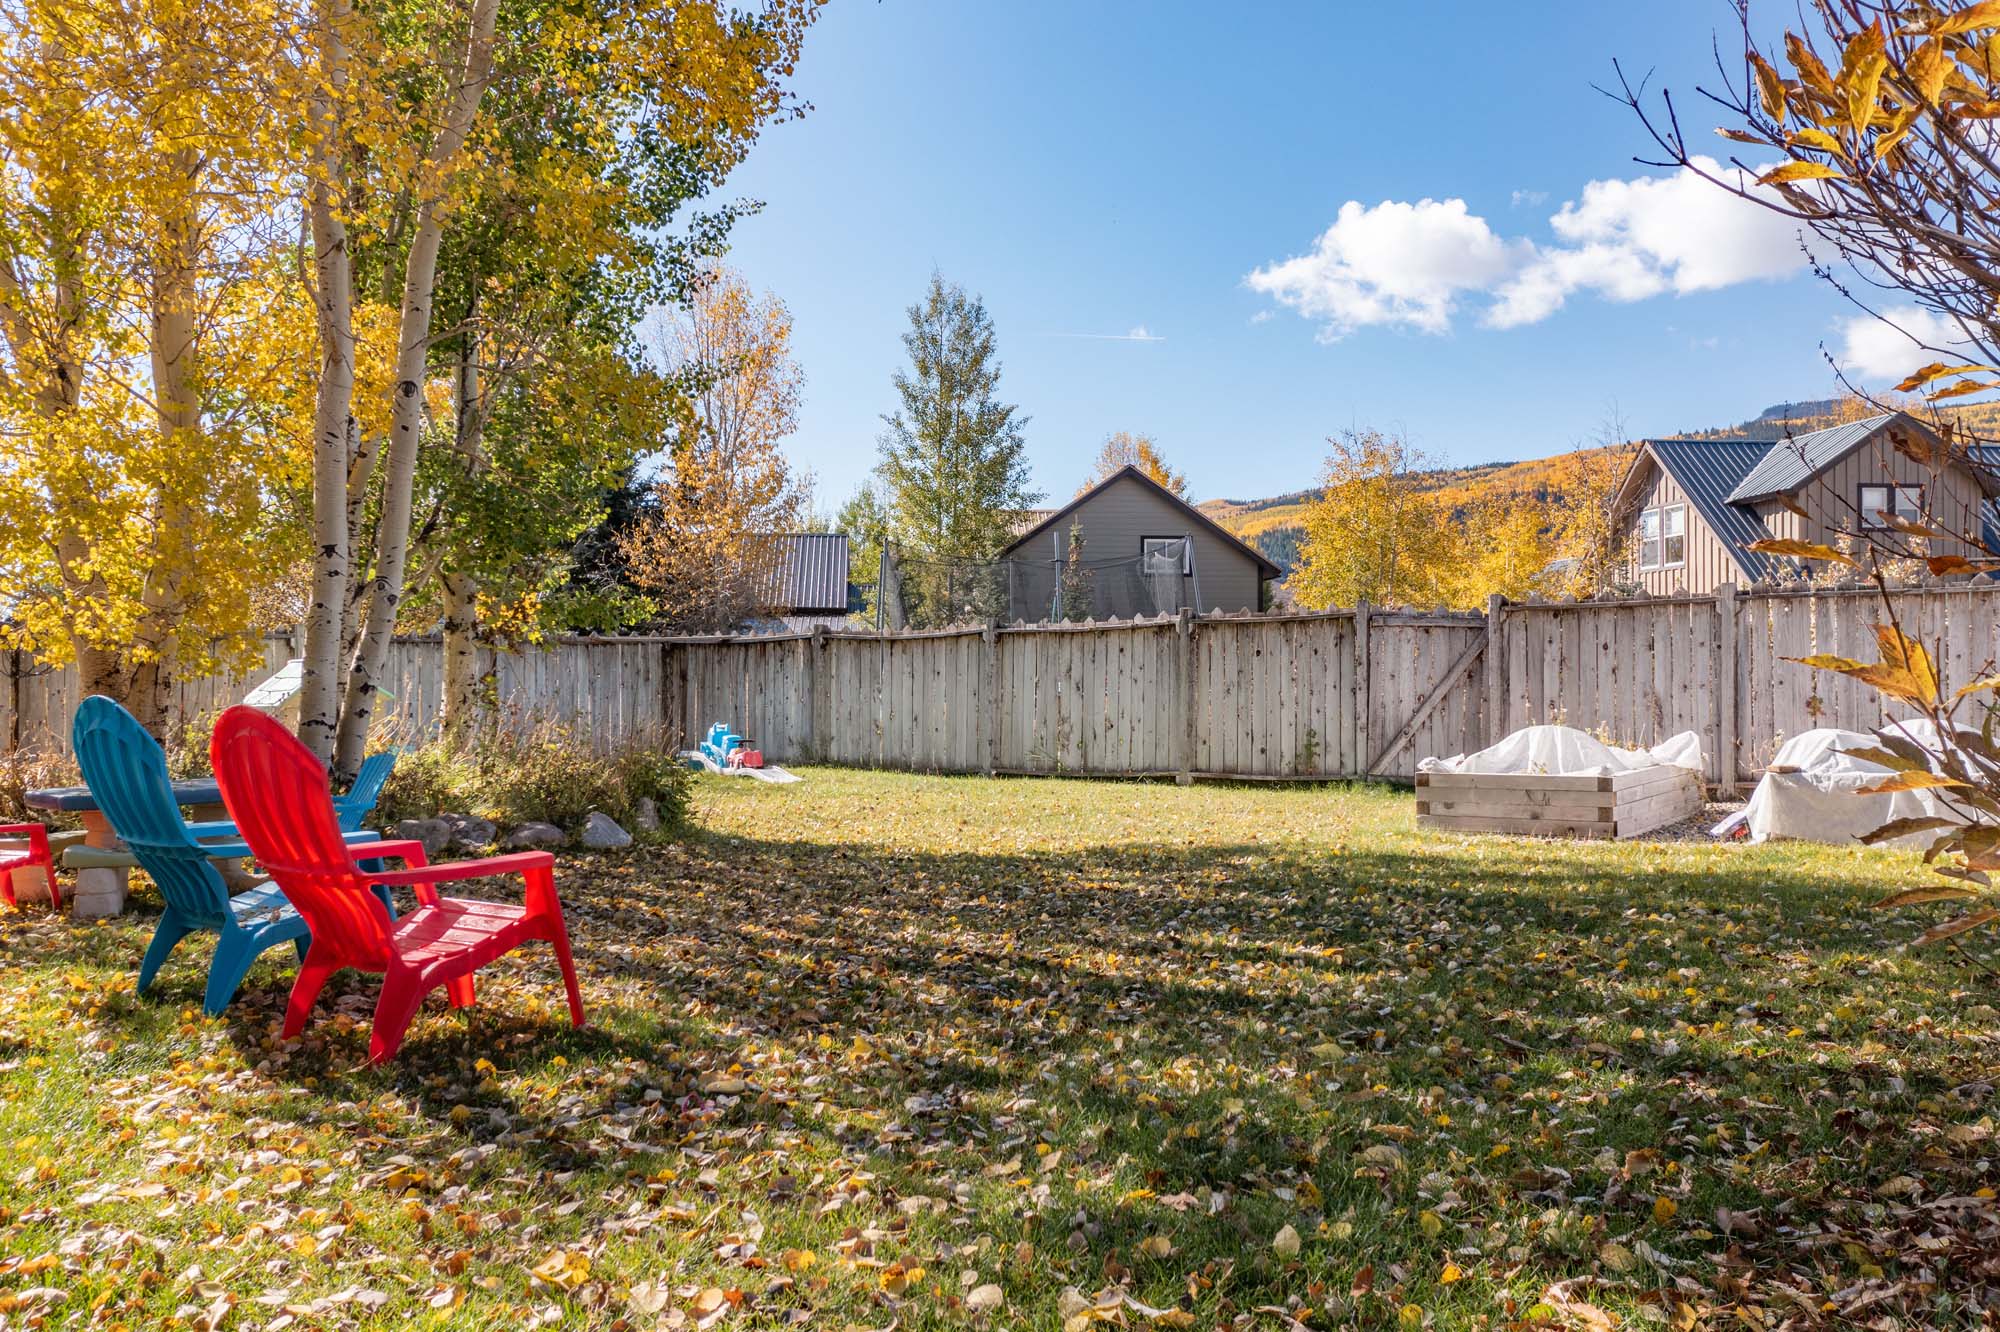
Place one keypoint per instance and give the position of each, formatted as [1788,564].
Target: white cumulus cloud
[1416,265]
[1395,263]
[1883,353]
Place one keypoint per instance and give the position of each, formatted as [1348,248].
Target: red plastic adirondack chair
[277,794]
[37,854]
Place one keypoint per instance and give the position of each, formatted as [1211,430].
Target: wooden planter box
[1626,804]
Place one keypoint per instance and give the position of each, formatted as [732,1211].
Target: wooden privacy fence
[1338,694]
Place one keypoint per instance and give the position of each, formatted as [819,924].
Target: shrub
[29,769]
[543,774]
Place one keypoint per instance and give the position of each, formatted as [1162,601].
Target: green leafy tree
[953,457]
[865,519]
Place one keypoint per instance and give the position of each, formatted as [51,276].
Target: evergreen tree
[952,457]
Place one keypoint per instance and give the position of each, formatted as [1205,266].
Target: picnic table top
[194,791]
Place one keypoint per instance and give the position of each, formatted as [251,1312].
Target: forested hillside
[1275,525]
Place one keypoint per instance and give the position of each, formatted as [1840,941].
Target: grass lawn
[879,1050]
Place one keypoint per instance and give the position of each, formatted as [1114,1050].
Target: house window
[1906,502]
[1663,537]
[1149,547]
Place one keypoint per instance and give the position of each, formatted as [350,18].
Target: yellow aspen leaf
[1664,1210]
[1791,172]
[1937,370]
[1902,653]
[1860,80]
[1452,1272]
[1909,781]
[1972,18]
[1963,924]
[1804,550]
[1807,65]
[1929,67]
[1921,896]
[1770,87]
[1816,139]
[1962,388]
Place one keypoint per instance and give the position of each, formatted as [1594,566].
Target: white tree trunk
[333,416]
[461,656]
[392,534]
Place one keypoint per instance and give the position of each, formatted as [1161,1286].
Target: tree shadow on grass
[1012,993]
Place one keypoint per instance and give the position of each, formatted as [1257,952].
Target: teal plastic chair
[127,774]
[365,791]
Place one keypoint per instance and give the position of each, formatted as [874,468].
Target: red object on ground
[277,794]
[748,758]
[37,855]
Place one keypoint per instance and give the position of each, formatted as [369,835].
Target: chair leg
[234,955]
[313,975]
[459,990]
[559,937]
[170,931]
[55,893]
[402,994]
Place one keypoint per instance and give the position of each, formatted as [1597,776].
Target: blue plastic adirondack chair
[127,775]
[365,791]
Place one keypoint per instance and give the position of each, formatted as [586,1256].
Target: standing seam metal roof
[1711,471]
[812,575]
[1791,462]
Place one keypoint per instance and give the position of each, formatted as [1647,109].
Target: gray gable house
[1146,551]
[1692,507]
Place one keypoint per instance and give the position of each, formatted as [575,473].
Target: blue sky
[1100,168]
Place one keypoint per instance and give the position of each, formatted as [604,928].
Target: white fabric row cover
[1809,792]
[1566,750]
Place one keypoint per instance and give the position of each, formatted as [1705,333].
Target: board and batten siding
[1114,521]
[1708,564]
[1830,499]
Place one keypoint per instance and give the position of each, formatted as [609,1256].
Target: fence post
[995,705]
[1725,691]
[1190,708]
[1496,667]
[1363,743]
[820,699]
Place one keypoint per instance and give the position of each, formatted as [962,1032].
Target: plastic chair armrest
[38,839]
[518,863]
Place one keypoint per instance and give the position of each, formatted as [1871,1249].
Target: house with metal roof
[1143,551]
[809,583]
[1691,508]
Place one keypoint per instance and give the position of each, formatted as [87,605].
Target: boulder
[602,833]
[646,815]
[534,834]
[469,833]
[435,834]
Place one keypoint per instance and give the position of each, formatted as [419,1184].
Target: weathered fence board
[1339,694]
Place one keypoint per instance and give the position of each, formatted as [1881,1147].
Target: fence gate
[1422,686]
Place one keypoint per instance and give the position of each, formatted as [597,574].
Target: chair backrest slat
[277,794]
[366,791]
[126,771]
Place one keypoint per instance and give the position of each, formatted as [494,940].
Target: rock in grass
[435,834]
[602,833]
[534,834]
[469,833]
[646,815]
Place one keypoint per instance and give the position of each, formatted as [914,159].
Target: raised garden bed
[1625,804]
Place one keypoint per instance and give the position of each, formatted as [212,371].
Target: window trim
[1869,523]
[1187,551]
[1663,565]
